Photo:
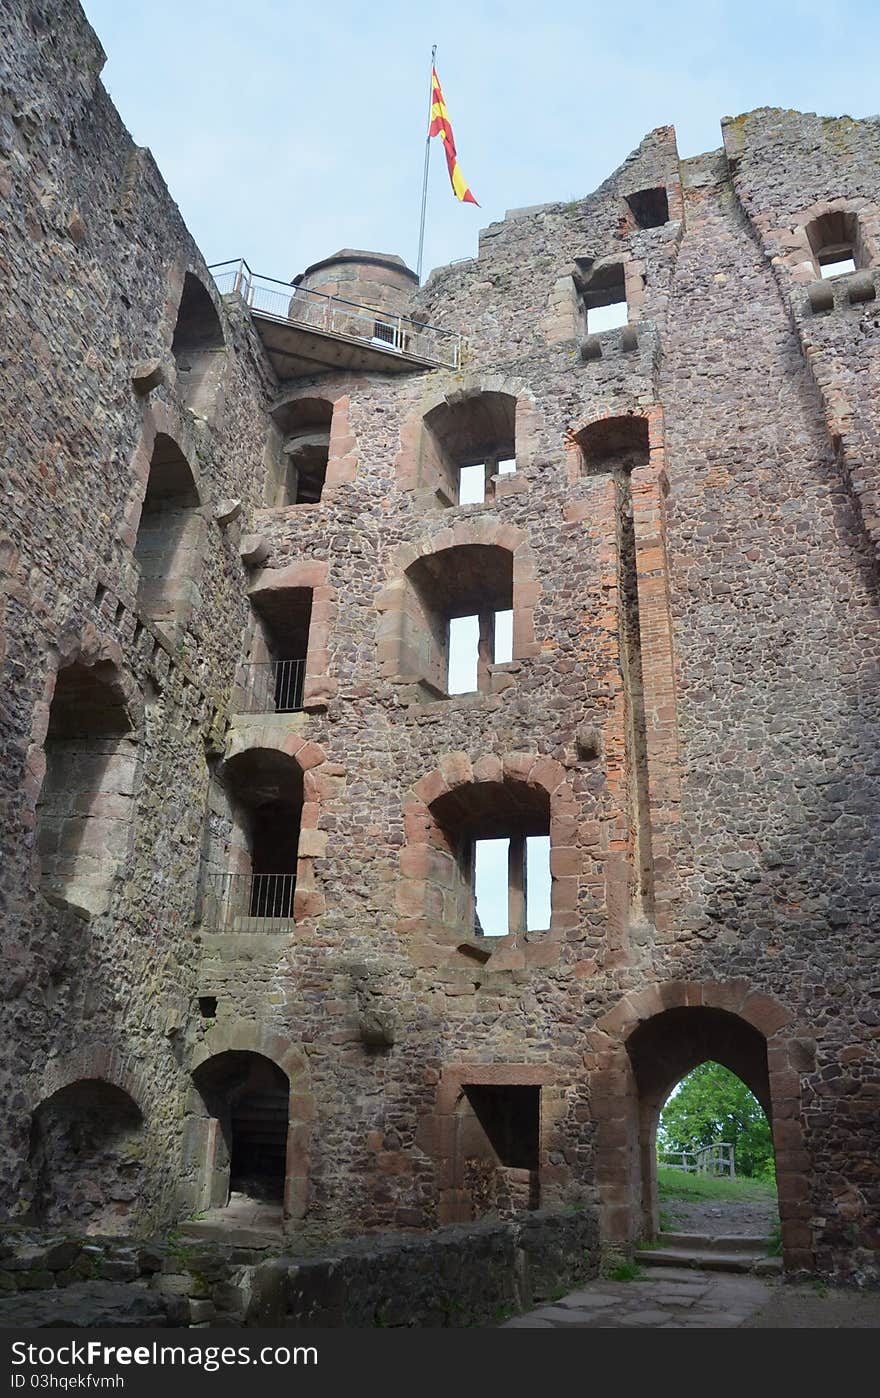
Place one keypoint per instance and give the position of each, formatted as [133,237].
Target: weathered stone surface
[227,512]
[147,375]
[89,1305]
[457,1276]
[254,550]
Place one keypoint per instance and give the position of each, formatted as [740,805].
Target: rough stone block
[254,550]
[147,375]
[821,296]
[860,287]
[227,511]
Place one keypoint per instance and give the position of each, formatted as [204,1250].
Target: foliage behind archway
[712,1104]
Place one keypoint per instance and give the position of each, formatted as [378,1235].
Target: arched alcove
[457,617]
[169,538]
[836,243]
[614,444]
[304,425]
[85,803]
[86,1158]
[279,649]
[199,348]
[466,441]
[254,892]
[490,854]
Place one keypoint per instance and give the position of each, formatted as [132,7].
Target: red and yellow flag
[442,127]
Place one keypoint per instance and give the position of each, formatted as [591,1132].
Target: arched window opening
[256,892]
[245,1099]
[169,539]
[614,444]
[85,805]
[835,242]
[602,290]
[491,858]
[466,444]
[457,620]
[86,1159]
[198,347]
[276,673]
[701,1080]
[305,450]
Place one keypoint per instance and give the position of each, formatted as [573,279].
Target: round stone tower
[376,279]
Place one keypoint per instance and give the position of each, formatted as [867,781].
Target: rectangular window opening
[650,207]
[606,317]
[837,265]
[506,467]
[491,881]
[464,649]
[537,883]
[472,484]
[510,1115]
[503,648]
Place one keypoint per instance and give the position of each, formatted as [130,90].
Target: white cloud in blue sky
[286,131]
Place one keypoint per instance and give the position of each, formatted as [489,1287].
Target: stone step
[757,1263]
[706,1242]
[232,1232]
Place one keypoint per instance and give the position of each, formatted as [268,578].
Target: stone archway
[255,1062]
[646,1044]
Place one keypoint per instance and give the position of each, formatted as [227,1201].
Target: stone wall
[693,690]
[456,1277]
[95,257]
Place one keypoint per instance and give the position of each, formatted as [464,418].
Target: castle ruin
[244,804]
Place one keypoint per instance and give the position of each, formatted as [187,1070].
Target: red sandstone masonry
[759,641]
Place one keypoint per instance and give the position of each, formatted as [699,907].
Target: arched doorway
[663,1050]
[645,1045]
[246,1106]
[715,1164]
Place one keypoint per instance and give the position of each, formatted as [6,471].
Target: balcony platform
[307,332]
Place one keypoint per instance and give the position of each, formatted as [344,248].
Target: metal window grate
[273,687]
[250,902]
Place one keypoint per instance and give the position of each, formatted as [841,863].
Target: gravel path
[750,1218]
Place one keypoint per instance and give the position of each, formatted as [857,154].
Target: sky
[286,131]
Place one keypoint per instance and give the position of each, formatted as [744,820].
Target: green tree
[712,1104]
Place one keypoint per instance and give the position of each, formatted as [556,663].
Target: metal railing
[717,1159]
[249,902]
[272,687]
[316,310]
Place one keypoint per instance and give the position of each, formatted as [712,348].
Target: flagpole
[425,176]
